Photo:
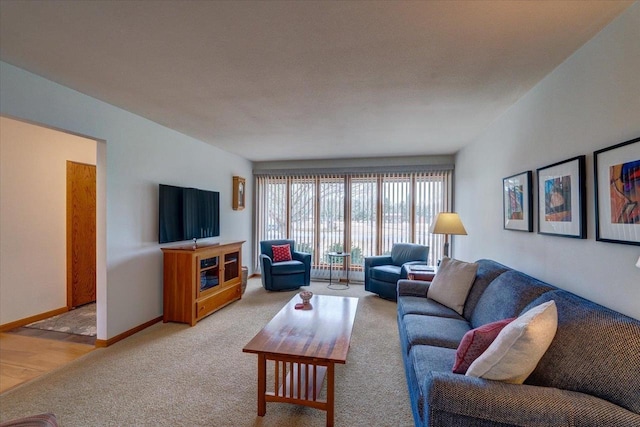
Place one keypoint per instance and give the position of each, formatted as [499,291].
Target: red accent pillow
[475,342]
[281,253]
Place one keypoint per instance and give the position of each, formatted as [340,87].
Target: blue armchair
[284,275]
[382,272]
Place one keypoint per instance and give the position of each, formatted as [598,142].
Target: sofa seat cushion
[386,273]
[429,307]
[596,351]
[287,267]
[434,330]
[506,297]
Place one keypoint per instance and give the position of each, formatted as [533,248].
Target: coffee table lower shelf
[298,381]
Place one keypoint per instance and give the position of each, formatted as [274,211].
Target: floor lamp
[447,223]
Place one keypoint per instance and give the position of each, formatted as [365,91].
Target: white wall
[139,155]
[33,165]
[589,102]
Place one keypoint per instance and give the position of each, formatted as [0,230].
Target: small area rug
[79,321]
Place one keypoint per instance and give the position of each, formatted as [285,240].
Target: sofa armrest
[414,288]
[460,400]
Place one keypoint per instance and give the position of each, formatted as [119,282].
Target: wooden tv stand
[201,279]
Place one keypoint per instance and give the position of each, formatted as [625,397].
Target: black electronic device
[187,213]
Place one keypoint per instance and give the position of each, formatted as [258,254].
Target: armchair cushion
[386,273]
[287,267]
[281,253]
[405,252]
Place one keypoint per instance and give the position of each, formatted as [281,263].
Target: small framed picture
[562,199]
[517,202]
[238,201]
[617,184]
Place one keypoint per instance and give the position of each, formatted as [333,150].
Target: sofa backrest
[405,252]
[488,270]
[506,296]
[595,351]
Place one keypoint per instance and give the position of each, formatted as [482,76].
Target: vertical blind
[361,214]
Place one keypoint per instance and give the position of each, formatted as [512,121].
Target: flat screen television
[187,213]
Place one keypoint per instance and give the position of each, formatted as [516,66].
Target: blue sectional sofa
[589,375]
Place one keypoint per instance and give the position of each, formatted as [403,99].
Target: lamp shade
[447,223]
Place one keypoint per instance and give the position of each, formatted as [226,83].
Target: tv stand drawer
[208,305]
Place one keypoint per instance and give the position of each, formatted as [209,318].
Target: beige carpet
[175,375]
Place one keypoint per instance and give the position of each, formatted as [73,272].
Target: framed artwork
[617,184]
[238,193]
[517,202]
[562,199]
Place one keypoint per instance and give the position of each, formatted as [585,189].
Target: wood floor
[24,357]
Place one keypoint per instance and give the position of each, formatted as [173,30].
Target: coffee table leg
[330,394]
[262,384]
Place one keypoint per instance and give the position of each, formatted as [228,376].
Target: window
[363,214]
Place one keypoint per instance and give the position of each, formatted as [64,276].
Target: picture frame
[562,199]
[617,193]
[239,187]
[517,202]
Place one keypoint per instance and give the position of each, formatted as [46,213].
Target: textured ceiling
[281,80]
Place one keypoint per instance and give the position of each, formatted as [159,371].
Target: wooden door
[81,234]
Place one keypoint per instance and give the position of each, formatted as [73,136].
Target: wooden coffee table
[304,346]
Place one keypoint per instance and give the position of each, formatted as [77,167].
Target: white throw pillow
[452,283]
[518,348]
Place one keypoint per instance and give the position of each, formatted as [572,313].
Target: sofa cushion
[451,284]
[281,253]
[519,346]
[506,297]
[488,270]
[421,305]
[385,273]
[475,342]
[433,330]
[596,351]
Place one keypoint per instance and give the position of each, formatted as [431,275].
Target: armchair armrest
[414,288]
[460,400]
[374,261]
[302,257]
[265,262]
[305,258]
